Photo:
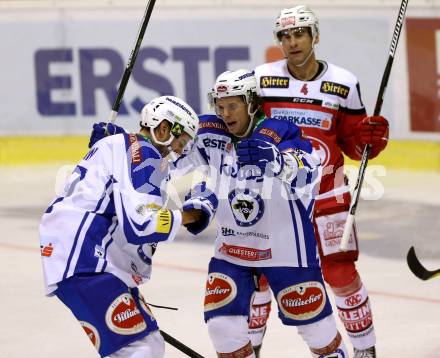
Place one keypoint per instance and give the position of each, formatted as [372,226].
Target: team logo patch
[353,300]
[274,82]
[303,301]
[92,333]
[247,206]
[220,290]
[123,316]
[322,149]
[246,253]
[335,89]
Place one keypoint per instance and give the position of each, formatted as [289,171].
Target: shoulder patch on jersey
[335,88]
[211,123]
[271,134]
[274,82]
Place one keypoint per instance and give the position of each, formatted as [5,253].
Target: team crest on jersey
[124,317]
[322,149]
[335,88]
[303,301]
[247,206]
[274,82]
[92,333]
[220,290]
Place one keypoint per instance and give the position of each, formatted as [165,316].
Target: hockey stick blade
[417,268]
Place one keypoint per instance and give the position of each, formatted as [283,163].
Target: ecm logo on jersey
[274,82]
[335,88]
[303,117]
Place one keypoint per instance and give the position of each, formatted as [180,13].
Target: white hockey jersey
[261,221]
[326,108]
[110,216]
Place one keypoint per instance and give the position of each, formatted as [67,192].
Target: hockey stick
[179,345]
[131,61]
[417,268]
[379,101]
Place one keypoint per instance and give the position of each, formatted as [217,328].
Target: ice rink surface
[406,310]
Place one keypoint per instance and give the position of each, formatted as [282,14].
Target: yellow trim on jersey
[163,224]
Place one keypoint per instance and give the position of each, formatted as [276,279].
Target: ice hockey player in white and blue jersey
[99,235]
[265,176]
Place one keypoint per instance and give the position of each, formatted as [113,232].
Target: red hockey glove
[374,131]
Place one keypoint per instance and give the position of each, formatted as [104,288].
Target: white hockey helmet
[298,16]
[181,116]
[234,83]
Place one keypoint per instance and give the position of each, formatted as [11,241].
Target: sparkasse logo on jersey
[303,118]
[274,82]
[335,88]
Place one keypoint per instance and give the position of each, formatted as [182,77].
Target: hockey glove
[99,131]
[262,154]
[374,131]
[201,198]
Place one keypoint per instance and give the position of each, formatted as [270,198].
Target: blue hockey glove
[201,198]
[260,153]
[99,132]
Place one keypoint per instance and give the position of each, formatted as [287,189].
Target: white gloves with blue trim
[202,198]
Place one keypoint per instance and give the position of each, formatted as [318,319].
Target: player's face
[178,144]
[234,112]
[296,44]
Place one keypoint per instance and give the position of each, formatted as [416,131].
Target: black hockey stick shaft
[131,61]
[180,346]
[417,268]
[367,150]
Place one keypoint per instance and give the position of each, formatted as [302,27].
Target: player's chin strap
[251,122]
[172,155]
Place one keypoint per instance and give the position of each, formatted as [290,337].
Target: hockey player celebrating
[265,177]
[99,236]
[325,101]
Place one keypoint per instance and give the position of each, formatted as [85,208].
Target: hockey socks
[355,313]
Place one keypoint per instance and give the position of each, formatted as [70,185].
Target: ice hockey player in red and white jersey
[325,101]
